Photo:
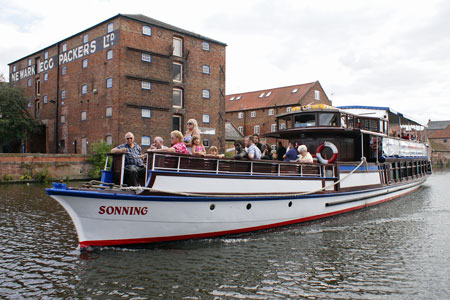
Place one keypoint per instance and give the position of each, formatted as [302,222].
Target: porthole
[212,206]
[290,203]
[249,205]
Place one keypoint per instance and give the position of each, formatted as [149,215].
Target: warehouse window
[146,113]
[46,55]
[205,94]
[85,38]
[146,30]
[273,127]
[84,89]
[205,69]
[256,129]
[145,141]
[29,82]
[271,112]
[253,114]
[146,57]
[83,115]
[146,85]
[85,63]
[109,111]
[109,83]
[45,76]
[110,28]
[64,70]
[205,46]
[240,115]
[14,68]
[63,119]
[64,47]
[206,118]
[109,139]
[177,72]
[29,62]
[45,99]
[206,143]
[176,122]
[317,95]
[63,94]
[109,54]
[177,98]
[178,47]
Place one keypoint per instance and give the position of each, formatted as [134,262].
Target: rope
[139,189]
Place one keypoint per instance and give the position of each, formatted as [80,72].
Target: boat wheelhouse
[359,164]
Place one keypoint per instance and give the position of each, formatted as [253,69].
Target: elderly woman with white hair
[304,156]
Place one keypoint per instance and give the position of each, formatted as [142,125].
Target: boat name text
[123,210]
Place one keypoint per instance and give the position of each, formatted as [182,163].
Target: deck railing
[212,165]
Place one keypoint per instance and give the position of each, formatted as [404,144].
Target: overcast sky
[383,53]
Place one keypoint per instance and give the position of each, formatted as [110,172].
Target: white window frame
[206,69]
[241,129]
[294,91]
[146,140]
[84,89]
[108,139]
[83,115]
[63,94]
[268,94]
[253,114]
[240,115]
[63,119]
[45,76]
[29,62]
[109,111]
[64,47]
[29,82]
[146,85]
[181,97]
[206,118]
[232,98]
[205,46]
[109,83]
[271,111]
[206,143]
[316,94]
[181,72]
[85,63]
[261,95]
[177,47]
[46,55]
[14,68]
[45,99]
[256,129]
[147,30]
[109,54]
[273,127]
[146,113]
[206,94]
[85,38]
[64,70]
[110,27]
[239,97]
[146,57]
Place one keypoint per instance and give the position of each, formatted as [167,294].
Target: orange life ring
[321,147]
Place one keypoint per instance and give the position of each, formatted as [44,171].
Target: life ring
[321,147]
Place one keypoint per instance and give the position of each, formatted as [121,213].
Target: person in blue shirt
[291,154]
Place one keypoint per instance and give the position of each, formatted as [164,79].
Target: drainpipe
[57,104]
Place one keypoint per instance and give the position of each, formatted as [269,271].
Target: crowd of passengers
[190,143]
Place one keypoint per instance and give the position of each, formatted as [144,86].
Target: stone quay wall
[32,166]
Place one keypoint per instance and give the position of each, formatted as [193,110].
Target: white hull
[131,219]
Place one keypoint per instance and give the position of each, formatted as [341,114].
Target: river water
[397,250]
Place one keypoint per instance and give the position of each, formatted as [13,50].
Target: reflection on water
[398,250]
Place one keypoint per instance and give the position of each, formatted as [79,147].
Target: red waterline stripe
[229,232]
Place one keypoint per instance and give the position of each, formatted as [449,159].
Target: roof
[158,23]
[440,133]
[282,96]
[138,17]
[434,125]
[232,133]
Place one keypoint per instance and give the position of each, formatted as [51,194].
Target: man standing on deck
[134,165]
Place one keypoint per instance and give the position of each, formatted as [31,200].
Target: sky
[380,53]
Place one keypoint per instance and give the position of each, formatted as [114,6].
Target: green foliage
[7,177]
[15,121]
[98,158]
[43,176]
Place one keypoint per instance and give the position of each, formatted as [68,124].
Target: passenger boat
[359,164]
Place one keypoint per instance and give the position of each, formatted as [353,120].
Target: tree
[16,123]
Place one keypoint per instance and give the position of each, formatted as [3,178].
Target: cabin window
[350,122]
[327,119]
[344,120]
[305,120]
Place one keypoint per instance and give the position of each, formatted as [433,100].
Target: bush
[98,158]
[7,177]
[43,176]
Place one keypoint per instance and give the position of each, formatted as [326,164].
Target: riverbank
[29,167]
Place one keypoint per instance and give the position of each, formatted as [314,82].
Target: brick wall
[59,166]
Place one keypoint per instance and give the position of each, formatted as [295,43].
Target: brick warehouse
[254,112]
[127,73]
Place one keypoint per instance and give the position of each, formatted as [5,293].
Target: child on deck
[214,152]
[197,146]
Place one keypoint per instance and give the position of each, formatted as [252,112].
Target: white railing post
[178,165]
[279,171]
[217,166]
[251,168]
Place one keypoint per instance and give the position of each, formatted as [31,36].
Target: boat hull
[107,219]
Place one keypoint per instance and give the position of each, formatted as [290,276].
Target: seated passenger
[214,152]
[134,165]
[239,150]
[266,152]
[304,155]
[197,146]
[291,154]
[178,146]
[252,150]
[158,144]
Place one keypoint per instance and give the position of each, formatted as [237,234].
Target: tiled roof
[158,23]
[232,133]
[440,134]
[268,98]
[433,125]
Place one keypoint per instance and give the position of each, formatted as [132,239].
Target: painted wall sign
[81,51]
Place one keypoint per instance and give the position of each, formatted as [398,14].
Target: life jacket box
[107,176]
